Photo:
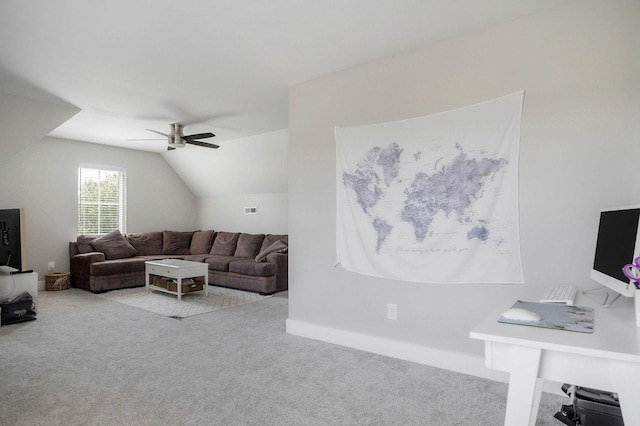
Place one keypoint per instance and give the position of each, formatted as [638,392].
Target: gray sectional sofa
[252,262]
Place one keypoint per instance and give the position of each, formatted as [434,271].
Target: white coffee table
[177,269]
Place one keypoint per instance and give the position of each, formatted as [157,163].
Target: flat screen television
[12,245]
[617,245]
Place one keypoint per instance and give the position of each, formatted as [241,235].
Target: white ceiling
[224,65]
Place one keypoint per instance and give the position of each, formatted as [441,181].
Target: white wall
[247,172]
[226,213]
[42,178]
[579,67]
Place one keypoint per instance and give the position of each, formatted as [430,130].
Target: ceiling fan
[177,139]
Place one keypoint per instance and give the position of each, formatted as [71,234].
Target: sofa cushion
[250,267]
[277,247]
[225,244]
[176,242]
[147,243]
[248,245]
[272,238]
[201,242]
[220,263]
[114,246]
[84,243]
[200,258]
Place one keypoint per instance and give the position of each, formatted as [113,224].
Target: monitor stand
[604,290]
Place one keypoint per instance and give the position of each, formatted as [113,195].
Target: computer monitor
[617,245]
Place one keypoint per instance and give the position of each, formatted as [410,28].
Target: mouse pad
[556,316]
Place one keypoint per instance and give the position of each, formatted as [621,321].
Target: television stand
[14,284]
[603,289]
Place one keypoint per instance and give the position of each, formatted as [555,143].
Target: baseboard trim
[460,363]
[452,361]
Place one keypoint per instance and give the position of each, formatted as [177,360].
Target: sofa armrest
[281,261]
[80,266]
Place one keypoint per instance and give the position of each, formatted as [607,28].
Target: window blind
[101,200]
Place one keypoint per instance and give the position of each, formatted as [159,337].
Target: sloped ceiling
[251,165]
[25,121]
[223,66]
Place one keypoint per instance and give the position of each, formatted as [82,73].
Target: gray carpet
[87,360]
[191,304]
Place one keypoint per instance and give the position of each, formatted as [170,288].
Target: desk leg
[537,395]
[624,375]
[524,387]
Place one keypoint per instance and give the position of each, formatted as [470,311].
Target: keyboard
[561,294]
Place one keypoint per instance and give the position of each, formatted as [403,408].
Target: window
[101,200]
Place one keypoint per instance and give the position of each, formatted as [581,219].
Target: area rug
[190,305]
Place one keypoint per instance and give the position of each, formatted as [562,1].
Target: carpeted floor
[191,304]
[87,360]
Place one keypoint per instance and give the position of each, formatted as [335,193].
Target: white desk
[608,358]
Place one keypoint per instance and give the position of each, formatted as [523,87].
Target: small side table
[55,281]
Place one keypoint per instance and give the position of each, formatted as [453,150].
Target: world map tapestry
[432,199]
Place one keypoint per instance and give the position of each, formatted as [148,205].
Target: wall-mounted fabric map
[432,199]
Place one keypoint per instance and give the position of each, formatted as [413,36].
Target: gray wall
[41,176]
[580,147]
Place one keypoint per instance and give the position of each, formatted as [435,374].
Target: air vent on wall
[250,210]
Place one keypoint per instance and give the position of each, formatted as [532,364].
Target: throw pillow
[201,242]
[272,238]
[176,242]
[84,243]
[114,246]
[225,244]
[147,243]
[248,245]
[277,247]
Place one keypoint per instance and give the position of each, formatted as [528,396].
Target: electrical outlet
[52,266]
[392,311]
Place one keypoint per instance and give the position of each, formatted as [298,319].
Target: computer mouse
[518,314]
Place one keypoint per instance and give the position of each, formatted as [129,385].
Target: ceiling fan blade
[160,133]
[204,144]
[170,148]
[199,136]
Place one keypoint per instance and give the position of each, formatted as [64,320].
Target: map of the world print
[432,199]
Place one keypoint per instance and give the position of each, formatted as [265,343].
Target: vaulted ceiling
[222,65]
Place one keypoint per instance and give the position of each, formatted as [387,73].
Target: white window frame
[99,172]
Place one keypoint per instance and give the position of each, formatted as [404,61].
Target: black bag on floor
[590,407]
[19,309]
